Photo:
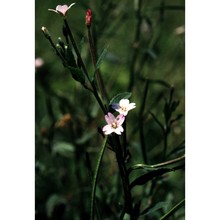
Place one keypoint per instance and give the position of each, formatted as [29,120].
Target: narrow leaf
[52,202]
[155,166]
[100,59]
[94,182]
[63,148]
[148,176]
[118,97]
[77,74]
[173,210]
[154,208]
[161,82]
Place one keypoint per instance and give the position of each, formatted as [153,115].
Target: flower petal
[53,10]
[110,118]
[115,106]
[62,9]
[131,106]
[58,6]
[71,5]
[107,129]
[118,130]
[120,119]
[124,102]
[123,112]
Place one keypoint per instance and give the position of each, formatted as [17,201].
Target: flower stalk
[94,91]
[93,54]
[48,37]
[128,204]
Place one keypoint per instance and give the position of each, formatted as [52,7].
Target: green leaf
[173,210]
[102,56]
[85,137]
[180,148]
[174,105]
[167,111]
[118,97]
[70,59]
[126,217]
[52,202]
[160,82]
[63,148]
[154,208]
[158,166]
[100,59]
[81,43]
[77,74]
[143,167]
[95,177]
[141,180]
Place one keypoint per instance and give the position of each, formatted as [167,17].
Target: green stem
[94,182]
[165,144]
[165,134]
[141,114]
[137,11]
[95,93]
[124,153]
[94,58]
[173,210]
[128,207]
[76,49]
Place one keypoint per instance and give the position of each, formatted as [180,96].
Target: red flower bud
[88,17]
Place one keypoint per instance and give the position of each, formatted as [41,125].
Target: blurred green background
[150,44]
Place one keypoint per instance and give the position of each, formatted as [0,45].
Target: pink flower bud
[88,17]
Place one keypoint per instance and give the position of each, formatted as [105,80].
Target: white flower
[114,124]
[123,107]
[62,9]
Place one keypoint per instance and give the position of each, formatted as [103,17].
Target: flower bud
[46,32]
[88,17]
[61,43]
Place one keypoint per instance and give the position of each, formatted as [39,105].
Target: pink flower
[62,9]
[123,107]
[88,17]
[114,124]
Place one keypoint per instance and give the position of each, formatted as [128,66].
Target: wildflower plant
[136,133]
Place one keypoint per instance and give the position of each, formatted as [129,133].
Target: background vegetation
[145,46]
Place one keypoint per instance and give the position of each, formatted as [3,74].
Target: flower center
[114,125]
[123,108]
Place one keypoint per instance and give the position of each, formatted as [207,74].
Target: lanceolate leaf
[102,56]
[63,148]
[148,176]
[52,202]
[95,177]
[161,82]
[173,210]
[118,97]
[154,208]
[158,166]
[143,167]
[77,74]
